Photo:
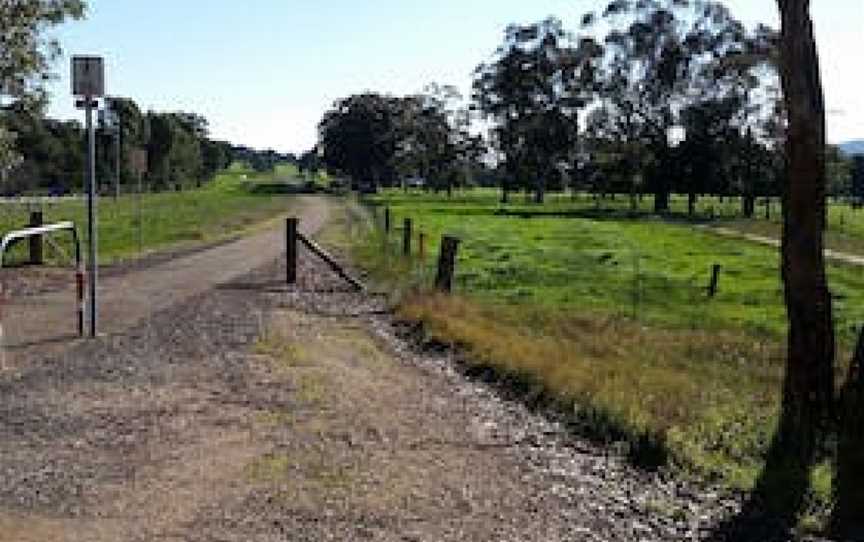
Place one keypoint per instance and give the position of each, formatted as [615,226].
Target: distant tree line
[180,153]
[649,97]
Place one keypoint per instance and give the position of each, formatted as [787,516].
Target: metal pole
[117,162]
[92,213]
[140,212]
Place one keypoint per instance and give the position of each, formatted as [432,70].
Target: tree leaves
[26,53]
[26,56]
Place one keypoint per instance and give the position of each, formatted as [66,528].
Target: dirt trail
[34,325]
[126,437]
[842,257]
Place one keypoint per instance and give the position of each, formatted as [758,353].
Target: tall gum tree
[808,385]
[808,390]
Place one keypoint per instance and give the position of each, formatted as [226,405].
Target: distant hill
[853,147]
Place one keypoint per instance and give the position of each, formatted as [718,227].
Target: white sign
[88,76]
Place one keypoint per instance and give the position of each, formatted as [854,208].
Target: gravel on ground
[257,411]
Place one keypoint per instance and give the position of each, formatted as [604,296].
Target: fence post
[715,279]
[387,220]
[291,250]
[36,256]
[447,263]
[406,237]
[421,248]
[637,285]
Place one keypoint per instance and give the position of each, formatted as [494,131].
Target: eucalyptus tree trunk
[505,179]
[808,387]
[661,182]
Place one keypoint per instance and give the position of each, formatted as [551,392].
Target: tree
[434,139]
[808,388]
[359,136]
[681,63]
[533,91]
[26,56]
[51,152]
[215,156]
[9,156]
[309,163]
[839,171]
[809,376]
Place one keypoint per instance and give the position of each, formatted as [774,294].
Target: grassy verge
[609,320]
[234,201]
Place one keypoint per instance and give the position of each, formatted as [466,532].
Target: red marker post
[2,339]
[81,291]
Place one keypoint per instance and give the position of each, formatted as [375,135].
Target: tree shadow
[780,495]
[847,521]
[772,510]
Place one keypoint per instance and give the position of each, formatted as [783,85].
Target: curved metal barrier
[10,238]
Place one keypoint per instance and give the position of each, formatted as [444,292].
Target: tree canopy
[26,58]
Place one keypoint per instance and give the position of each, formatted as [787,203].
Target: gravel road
[33,324]
[250,411]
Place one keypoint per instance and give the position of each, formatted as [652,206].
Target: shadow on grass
[781,492]
[613,214]
[847,520]
[771,512]
[284,189]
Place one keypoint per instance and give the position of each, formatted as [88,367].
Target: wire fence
[735,285]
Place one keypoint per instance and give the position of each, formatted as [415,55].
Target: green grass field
[645,268]
[229,204]
[845,227]
[609,317]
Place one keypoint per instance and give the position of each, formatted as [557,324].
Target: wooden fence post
[715,279]
[421,248]
[291,250]
[36,255]
[406,237]
[447,263]
[387,220]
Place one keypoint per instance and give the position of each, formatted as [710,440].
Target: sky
[264,71]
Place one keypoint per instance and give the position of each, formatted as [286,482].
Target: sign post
[88,83]
[109,122]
